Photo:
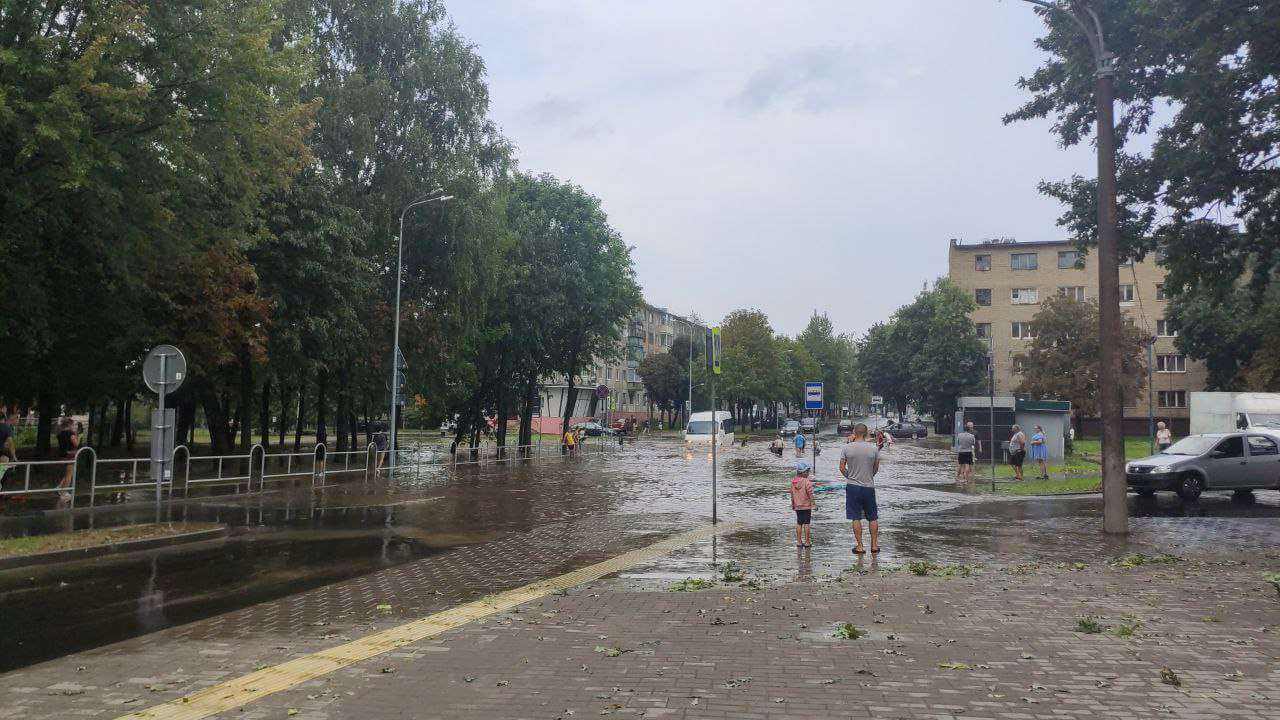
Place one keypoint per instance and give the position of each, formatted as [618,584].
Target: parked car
[845,426]
[790,427]
[592,429]
[900,430]
[1239,461]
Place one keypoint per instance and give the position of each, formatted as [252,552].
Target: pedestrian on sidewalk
[966,444]
[859,463]
[68,446]
[802,503]
[1164,438]
[1017,451]
[1040,451]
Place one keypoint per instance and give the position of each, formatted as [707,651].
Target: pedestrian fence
[87,480]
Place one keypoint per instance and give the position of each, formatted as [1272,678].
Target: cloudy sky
[790,156]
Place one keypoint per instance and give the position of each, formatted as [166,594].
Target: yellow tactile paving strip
[259,684]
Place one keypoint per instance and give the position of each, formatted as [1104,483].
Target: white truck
[1220,412]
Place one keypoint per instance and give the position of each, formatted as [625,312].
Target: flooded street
[287,542]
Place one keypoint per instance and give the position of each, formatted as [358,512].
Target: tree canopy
[1198,131]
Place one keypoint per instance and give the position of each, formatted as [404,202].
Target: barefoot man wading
[859,463]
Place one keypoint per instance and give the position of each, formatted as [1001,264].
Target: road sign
[602,391]
[813,396]
[175,369]
[401,364]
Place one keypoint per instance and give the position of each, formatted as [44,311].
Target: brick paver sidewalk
[1196,637]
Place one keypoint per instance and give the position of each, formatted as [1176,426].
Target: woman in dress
[1040,452]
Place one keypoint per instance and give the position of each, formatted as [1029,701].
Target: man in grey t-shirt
[859,463]
[966,443]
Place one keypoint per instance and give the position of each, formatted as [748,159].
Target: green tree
[1199,134]
[946,358]
[799,367]
[1061,362]
[663,376]
[752,367]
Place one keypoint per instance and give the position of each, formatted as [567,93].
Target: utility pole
[1151,392]
[1115,511]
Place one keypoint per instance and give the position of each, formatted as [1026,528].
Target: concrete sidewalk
[1193,637]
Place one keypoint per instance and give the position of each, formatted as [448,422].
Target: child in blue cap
[802,502]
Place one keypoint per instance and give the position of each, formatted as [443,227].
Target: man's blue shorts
[859,502]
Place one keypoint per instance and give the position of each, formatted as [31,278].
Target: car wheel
[1190,487]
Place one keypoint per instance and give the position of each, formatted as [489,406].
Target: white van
[1224,412]
[701,424]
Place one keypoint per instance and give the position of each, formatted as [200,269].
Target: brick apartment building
[650,330]
[1008,280]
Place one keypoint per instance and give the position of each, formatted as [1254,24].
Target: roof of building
[1003,244]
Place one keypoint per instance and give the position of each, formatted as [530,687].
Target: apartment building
[1008,280]
[650,330]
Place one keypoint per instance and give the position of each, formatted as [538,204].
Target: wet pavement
[301,557]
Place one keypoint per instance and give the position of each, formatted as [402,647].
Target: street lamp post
[1115,514]
[435,196]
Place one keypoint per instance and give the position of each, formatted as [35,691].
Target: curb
[61,556]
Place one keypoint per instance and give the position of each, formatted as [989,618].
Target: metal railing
[246,473]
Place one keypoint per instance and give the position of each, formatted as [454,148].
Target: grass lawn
[1078,472]
[36,544]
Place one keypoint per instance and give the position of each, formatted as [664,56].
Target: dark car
[1240,462]
[903,430]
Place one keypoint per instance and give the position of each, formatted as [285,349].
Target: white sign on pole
[813,396]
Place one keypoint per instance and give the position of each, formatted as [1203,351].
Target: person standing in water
[859,463]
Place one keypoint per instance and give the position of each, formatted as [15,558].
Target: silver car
[1239,461]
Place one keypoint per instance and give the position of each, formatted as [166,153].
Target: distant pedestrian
[1017,451]
[883,439]
[380,443]
[1040,451]
[859,463]
[68,446]
[777,446]
[800,444]
[966,444]
[571,443]
[802,503]
[1164,438]
[8,450]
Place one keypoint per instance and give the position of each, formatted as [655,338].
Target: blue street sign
[813,396]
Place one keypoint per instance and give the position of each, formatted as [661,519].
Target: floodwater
[288,541]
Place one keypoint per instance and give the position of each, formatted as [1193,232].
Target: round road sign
[175,368]
[602,391]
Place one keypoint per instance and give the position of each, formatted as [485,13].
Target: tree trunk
[128,424]
[570,397]
[264,414]
[500,427]
[341,416]
[246,401]
[526,412]
[368,429]
[117,428]
[322,387]
[283,426]
[302,415]
[216,417]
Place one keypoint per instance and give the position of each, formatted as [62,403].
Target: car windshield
[700,427]
[1192,445]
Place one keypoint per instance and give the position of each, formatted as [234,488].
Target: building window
[983,330]
[1160,292]
[1069,259]
[1023,331]
[982,263]
[1172,398]
[1023,261]
[1164,328]
[1171,363]
[1075,292]
[982,296]
[1126,293]
[1024,296]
